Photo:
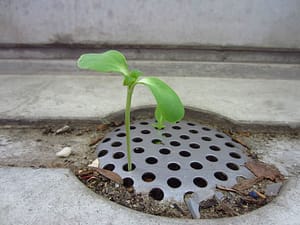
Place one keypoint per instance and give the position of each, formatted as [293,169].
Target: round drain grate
[181,158]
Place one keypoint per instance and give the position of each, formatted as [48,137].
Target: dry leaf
[226,189]
[102,127]
[240,142]
[117,123]
[246,184]
[95,140]
[110,175]
[261,169]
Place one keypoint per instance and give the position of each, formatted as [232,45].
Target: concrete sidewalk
[34,97]
[55,196]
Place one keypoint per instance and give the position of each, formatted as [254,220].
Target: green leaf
[109,61]
[169,107]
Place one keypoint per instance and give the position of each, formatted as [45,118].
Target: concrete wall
[240,23]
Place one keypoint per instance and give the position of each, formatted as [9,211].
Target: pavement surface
[81,97]
[55,196]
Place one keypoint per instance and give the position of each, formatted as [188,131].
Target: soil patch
[233,202]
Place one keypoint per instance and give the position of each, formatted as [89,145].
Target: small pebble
[65,152]
[95,163]
[130,189]
[64,129]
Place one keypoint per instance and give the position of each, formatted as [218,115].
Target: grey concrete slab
[85,97]
[269,23]
[55,196]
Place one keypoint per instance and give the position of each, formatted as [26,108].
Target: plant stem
[127,124]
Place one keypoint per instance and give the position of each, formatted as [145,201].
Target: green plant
[169,107]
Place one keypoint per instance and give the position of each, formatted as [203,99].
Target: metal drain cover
[182,158]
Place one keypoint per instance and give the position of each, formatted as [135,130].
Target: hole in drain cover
[221,176]
[173,166]
[148,177]
[174,182]
[157,194]
[128,182]
[125,167]
[110,167]
[151,160]
[200,182]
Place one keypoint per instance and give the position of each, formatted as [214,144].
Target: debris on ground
[229,211]
[65,152]
[96,140]
[273,189]
[127,196]
[246,184]
[238,140]
[117,123]
[227,189]
[261,169]
[48,130]
[208,203]
[98,171]
[261,195]
[102,127]
[245,196]
[95,163]
[253,194]
[63,129]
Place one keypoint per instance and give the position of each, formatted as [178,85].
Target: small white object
[95,163]
[63,129]
[65,152]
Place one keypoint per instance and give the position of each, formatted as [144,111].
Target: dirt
[25,146]
[233,203]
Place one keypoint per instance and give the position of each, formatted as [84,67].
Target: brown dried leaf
[246,184]
[95,140]
[226,189]
[261,169]
[117,123]
[244,133]
[241,142]
[102,127]
[110,175]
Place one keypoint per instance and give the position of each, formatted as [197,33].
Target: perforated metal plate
[181,158]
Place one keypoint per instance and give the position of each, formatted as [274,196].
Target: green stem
[127,124]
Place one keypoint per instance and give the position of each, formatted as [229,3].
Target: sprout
[169,107]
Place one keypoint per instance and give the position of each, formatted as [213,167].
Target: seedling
[169,107]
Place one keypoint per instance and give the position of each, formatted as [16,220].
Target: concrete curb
[160,68]
[34,97]
[55,196]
